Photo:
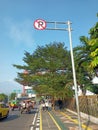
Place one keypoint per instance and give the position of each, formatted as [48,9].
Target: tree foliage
[93,42]
[3,97]
[86,58]
[48,69]
[12,96]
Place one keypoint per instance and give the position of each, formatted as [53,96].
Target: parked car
[4,110]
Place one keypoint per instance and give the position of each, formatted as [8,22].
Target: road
[25,121]
[44,120]
[17,121]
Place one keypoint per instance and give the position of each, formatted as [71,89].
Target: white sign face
[40,24]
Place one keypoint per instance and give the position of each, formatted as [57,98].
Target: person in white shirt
[47,105]
[43,105]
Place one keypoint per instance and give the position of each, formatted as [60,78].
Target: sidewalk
[70,120]
[65,120]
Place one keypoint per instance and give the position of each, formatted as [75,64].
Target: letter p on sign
[40,24]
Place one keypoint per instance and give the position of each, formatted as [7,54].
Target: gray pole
[74,74]
[72,60]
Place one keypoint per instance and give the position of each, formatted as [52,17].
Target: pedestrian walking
[60,103]
[43,105]
[47,105]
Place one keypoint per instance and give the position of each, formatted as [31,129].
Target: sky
[17,32]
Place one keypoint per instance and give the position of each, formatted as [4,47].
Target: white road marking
[34,119]
[31,128]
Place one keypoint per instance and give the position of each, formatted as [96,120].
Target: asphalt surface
[17,121]
[46,120]
[65,120]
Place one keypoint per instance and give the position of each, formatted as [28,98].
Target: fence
[87,104]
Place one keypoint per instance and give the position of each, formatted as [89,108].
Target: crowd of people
[47,105]
[26,106]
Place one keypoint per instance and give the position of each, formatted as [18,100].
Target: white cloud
[20,33]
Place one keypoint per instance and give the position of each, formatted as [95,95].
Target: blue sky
[18,35]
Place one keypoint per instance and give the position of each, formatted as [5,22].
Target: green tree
[82,61]
[49,68]
[12,96]
[3,97]
[93,43]
[86,59]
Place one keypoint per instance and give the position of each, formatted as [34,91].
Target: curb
[88,117]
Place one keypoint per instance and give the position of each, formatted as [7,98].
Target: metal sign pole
[74,74]
[41,25]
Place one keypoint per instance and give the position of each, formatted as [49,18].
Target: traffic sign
[40,24]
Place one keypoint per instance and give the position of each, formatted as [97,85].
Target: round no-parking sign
[40,24]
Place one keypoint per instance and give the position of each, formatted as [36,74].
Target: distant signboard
[40,24]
